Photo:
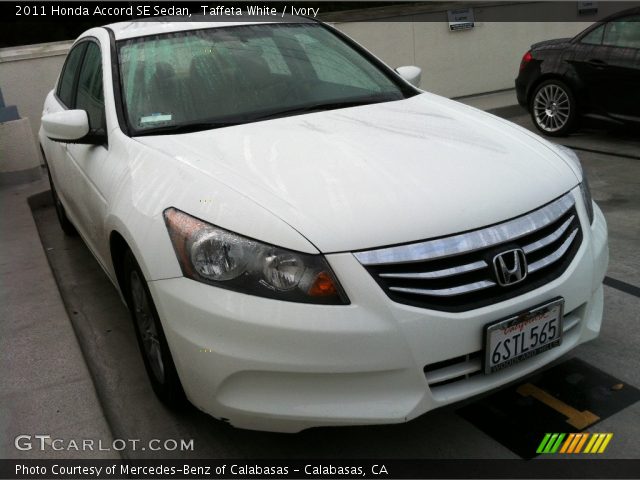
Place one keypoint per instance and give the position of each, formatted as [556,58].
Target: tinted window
[239,74]
[65,86]
[623,33]
[594,37]
[90,95]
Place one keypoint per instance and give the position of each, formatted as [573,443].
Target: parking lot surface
[106,337]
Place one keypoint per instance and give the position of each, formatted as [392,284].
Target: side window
[594,37]
[623,33]
[90,96]
[69,73]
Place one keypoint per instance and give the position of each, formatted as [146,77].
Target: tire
[66,225]
[553,108]
[152,342]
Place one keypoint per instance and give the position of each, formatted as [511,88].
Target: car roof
[142,28]
[622,13]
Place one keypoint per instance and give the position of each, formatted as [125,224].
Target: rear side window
[90,96]
[67,79]
[623,33]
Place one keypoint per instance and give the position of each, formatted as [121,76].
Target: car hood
[379,174]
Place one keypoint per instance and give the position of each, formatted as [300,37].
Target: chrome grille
[456,273]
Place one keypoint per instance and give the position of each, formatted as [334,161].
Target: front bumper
[269,365]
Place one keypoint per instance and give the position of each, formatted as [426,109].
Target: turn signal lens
[323,286]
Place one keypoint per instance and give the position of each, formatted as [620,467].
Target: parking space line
[575,418]
[622,286]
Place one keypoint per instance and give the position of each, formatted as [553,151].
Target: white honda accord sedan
[304,237]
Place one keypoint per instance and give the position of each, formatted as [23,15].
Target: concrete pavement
[45,386]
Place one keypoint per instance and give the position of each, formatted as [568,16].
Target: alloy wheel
[551,108]
[146,326]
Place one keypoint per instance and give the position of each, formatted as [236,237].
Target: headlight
[212,255]
[584,184]
[586,197]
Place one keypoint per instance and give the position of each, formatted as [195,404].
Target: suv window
[623,33]
[90,96]
[65,85]
[594,37]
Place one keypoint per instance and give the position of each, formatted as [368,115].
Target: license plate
[523,336]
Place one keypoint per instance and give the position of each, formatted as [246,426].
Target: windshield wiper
[185,128]
[322,106]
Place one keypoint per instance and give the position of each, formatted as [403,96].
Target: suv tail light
[526,58]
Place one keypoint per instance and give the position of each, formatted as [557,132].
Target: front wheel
[553,108]
[151,339]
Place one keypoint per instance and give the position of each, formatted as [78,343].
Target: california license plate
[523,336]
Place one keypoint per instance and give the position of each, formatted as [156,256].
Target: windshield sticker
[155,118]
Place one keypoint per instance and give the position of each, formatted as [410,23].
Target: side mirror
[68,126]
[411,74]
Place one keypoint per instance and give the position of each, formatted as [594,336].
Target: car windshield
[201,79]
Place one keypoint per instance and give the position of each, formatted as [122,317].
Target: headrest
[164,70]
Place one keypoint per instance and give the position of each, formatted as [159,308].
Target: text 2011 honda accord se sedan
[303,237]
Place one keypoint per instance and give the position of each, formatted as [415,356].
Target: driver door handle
[596,63]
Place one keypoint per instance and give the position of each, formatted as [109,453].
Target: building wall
[454,64]
[27,74]
[483,59]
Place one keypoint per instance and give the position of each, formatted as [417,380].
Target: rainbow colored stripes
[574,443]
